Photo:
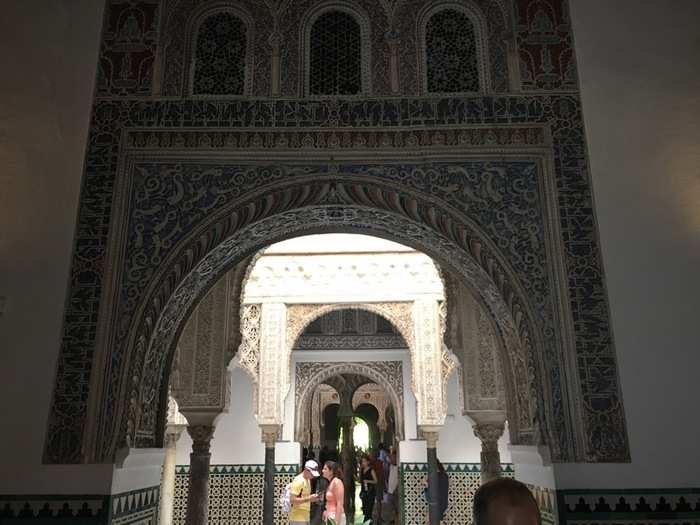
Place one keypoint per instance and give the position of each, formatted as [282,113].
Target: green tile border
[632,499]
[242,469]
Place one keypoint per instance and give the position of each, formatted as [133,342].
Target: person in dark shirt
[443,489]
[318,486]
[505,501]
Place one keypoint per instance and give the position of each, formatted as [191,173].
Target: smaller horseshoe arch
[387,374]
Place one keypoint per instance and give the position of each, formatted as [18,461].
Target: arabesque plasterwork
[178,191]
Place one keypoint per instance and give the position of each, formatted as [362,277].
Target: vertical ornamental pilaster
[427,363]
[274,364]
[275,41]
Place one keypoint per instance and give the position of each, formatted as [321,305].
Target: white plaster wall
[457,443]
[48,59]
[237,438]
[640,80]
[137,469]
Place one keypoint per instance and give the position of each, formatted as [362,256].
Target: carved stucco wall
[393,44]
[418,320]
[208,341]
[471,336]
[526,242]
[419,324]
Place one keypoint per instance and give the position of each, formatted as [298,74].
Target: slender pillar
[167,486]
[392,39]
[488,434]
[198,496]
[433,506]
[275,41]
[347,456]
[269,436]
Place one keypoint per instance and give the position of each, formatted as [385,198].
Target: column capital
[431,434]
[270,434]
[488,433]
[172,435]
[201,438]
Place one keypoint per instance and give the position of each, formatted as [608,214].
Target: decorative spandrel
[335,55]
[451,54]
[219,63]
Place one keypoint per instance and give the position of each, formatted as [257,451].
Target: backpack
[286,499]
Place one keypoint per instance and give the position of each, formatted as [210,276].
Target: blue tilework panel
[601,404]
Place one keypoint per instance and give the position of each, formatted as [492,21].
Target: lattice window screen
[450,45]
[335,55]
[220,53]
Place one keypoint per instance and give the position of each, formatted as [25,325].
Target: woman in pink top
[335,494]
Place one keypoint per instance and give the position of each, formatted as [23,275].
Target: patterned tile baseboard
[235,493]
[139,507]
[629,507]
[465,479]
[52,509]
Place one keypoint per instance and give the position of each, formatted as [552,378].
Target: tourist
[505,501]
[378,464]
[335,494]
[319,485]
[368,493]
[301,496]
[390,498]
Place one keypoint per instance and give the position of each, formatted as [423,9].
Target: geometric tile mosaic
[465,479]
[235,493]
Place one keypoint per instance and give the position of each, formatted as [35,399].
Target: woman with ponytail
[335,494]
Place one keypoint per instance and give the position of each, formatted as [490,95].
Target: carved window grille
[335,55]
[220,56]
[451,53]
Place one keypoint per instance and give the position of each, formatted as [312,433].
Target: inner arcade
[332,328]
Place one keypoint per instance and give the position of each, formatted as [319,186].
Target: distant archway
[387,374]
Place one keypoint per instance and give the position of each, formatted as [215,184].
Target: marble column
[167,486]
[433,507]
[198,496]
[489,434]
[269,436]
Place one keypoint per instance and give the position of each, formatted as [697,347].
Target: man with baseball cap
[301,496]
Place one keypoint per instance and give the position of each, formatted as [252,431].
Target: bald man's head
[505,501]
